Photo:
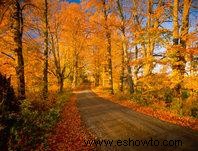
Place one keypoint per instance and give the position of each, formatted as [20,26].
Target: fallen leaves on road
[70,134]
[161,114]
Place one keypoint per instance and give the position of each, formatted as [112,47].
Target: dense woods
[142,50]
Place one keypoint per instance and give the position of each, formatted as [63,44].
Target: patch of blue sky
[73,1]
[33,33]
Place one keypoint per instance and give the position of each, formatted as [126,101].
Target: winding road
[111,121]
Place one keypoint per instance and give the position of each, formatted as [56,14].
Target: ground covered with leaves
[70,133]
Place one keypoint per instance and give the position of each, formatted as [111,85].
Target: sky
[76,1]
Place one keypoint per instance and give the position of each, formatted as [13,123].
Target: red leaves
[69,134]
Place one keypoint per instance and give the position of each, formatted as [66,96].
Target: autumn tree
[17,28]
[136,21]
[149,35]
[59,71]
[125,59]
[192,52]
[40,22]
[179,41]
[106,9]
[46,51]
[16,12]
[57,40]
[75,35]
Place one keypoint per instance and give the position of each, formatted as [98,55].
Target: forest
[140,52]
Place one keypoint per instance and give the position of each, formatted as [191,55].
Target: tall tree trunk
[59,73]
[137,24]
[97,71]
[121,83]
[61,83]
[125,54]
[97,79]
[109,56]
[151,23]
[18,35]
[184,33]
[136,68]
[75,73]
[129,72]
[179,65]
[175,22]
[45,69]
[185,22]
[176,42]
[150,44]
[127,62]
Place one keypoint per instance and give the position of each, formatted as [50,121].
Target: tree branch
[8,55]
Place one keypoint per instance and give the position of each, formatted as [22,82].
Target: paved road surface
[108,120]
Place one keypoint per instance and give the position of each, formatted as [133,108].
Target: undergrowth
[37,119]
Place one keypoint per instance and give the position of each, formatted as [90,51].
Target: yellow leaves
[158,12]
[136,62]
[175,78]
[155,82]
[175,51]
[191,83]
[147,35]
[139,61]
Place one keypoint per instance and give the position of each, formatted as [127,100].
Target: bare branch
[8,55]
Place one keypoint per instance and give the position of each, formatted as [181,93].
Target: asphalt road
[129,129]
